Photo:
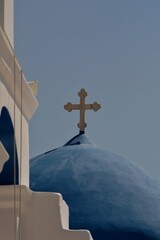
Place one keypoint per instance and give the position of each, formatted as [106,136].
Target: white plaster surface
[35,216]
[3,156]
[7,18]
[10,69]
[20,102]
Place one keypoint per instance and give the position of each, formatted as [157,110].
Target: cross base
[81,132]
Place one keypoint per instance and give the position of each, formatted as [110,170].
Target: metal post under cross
[82,106]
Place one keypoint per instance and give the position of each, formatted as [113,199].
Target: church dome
[106,194]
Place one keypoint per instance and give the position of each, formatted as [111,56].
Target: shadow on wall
[7,139]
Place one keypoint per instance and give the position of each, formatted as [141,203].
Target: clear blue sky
[109,47]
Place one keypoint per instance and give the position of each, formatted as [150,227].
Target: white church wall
[21,135]
[2,12]
[10,68]
[4,156]
[35,216]
[16,95]
[6,18]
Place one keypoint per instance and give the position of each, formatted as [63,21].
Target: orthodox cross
[82,107]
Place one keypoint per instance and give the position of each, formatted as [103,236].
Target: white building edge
[24,214]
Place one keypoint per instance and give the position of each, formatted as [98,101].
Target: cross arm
[69,106]
[94,106]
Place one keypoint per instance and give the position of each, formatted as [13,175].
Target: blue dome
[106,194]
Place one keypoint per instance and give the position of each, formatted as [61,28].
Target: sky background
[109,47]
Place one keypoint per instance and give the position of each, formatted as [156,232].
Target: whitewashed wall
[28,215]
[14,98]
[7,18]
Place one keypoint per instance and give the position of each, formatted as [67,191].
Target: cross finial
[82,107]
